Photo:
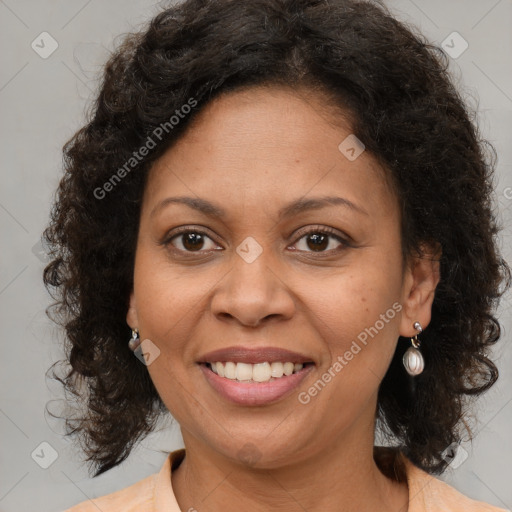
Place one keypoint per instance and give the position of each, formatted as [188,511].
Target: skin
[252,152]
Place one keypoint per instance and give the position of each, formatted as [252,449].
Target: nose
[253,293]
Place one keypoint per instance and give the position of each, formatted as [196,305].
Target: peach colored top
[154,493]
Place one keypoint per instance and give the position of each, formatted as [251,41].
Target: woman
[286,205]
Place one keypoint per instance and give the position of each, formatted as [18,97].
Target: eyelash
[302,234]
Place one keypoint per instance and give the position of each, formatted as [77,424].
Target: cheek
[358,312]
[165,293]
[168,308]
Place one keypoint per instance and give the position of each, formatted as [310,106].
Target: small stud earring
[135,340]
[413,359]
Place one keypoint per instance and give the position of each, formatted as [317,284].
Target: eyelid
[188,227]
[341,237]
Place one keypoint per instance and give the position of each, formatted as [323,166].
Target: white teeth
[229,370]
[288,368]
[243,371]
[259,372]
[276,370]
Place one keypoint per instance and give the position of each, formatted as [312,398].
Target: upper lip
[253,355]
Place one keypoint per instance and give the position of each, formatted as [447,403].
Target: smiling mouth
[256,373]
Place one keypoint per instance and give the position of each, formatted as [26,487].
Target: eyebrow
[293,208]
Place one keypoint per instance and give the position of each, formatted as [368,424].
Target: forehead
[269,144]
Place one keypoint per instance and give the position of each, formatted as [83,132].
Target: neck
[343,476]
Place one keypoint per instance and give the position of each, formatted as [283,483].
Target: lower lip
[255,393]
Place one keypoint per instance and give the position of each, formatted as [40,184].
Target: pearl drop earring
[413,359]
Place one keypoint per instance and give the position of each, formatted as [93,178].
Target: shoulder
[152,493]
[428,494]
[130,499]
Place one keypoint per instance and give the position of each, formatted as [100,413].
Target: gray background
[42,102]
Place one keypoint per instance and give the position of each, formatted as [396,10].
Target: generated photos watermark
[304,397]
[150,143]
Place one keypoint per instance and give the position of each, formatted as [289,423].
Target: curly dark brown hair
[398,91]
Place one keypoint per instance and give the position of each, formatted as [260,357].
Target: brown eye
[317,241]
[191,241]
[321,240]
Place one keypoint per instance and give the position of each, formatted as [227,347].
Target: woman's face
[280,268]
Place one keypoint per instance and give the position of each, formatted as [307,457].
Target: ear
[131,316]
[420,281]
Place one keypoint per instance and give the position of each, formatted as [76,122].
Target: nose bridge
[252,290]
[251,268]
